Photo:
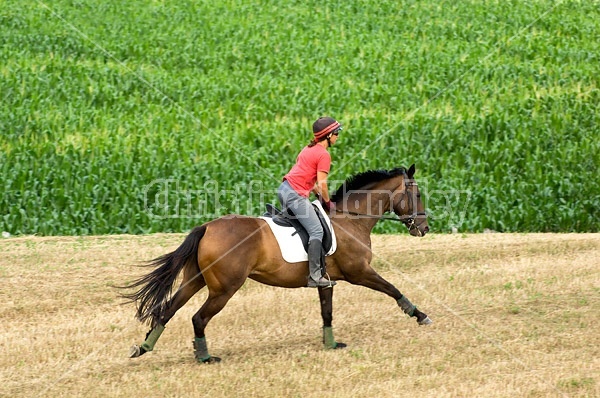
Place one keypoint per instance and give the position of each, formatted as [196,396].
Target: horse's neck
[378,199]
[372,203]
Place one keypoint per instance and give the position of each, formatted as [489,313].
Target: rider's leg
[315,268]
[306,215]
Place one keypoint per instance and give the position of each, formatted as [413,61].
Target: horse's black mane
[360,180]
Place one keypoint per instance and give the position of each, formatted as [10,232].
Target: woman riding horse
[224,252]
[312,165]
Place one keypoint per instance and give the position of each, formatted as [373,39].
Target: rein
[404,219]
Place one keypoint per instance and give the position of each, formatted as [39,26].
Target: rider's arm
[321,187]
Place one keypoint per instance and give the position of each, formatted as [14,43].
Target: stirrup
[321,282]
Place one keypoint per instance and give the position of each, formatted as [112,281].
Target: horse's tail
[156,287]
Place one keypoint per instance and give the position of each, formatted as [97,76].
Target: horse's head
[369,195]
[407,204]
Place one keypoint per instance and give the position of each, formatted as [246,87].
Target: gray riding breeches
[302,209]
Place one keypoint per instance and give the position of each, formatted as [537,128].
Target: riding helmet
[324,126]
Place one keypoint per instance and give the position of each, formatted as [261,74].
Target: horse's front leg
[371,279]
[326,298]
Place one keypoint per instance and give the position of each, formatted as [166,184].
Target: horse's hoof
[339,345]
[210,360]
[135,351]
[426,321]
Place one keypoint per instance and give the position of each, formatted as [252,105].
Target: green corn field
[150,116]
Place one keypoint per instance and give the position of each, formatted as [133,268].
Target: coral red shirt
[303,175]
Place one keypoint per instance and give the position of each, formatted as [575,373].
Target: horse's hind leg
[192,282]
[217,299]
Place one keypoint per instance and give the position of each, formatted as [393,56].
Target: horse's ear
[411,171]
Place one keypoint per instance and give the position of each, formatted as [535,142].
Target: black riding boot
[315,276]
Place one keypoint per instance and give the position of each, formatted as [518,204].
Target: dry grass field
[515,315]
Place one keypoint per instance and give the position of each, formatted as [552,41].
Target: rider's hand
[330,206]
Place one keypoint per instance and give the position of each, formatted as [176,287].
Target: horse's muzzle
[418,230]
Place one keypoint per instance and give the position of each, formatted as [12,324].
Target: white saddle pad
[290,243]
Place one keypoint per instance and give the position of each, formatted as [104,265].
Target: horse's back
[235,236]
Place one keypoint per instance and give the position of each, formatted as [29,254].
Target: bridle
[406,219]
[409,220]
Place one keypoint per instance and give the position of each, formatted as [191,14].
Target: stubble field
[514,315]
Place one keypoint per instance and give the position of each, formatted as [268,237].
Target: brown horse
[223,253]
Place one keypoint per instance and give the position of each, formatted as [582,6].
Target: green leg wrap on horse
[201,350]
[148,345]
[328,339]
[407,306]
